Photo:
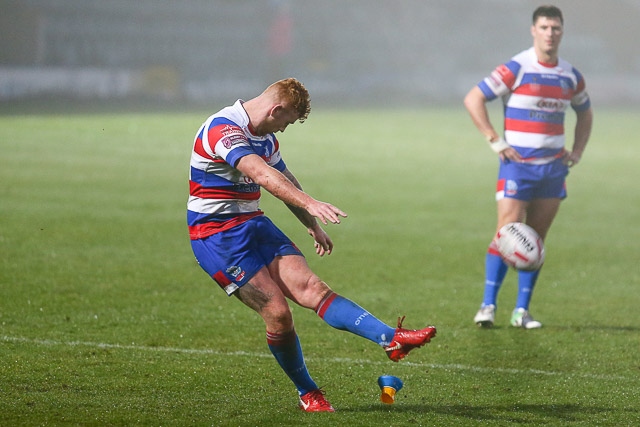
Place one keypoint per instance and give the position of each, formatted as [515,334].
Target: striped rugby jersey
[535,97]
[220,196]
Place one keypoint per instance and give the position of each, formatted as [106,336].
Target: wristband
[499,145]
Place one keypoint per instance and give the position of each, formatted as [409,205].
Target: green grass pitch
[105,318]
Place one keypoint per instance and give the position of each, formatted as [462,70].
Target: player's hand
[325,212]
[510,154]
[571,158]
[323,243]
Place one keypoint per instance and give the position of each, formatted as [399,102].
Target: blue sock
[495,271]
[287,351]
[346,315]
[526,283]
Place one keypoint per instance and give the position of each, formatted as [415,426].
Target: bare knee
[314,291]
[278,319]
[271,306]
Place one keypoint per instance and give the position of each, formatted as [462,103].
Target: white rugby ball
[520,246]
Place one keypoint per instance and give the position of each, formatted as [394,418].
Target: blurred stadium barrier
[359,51]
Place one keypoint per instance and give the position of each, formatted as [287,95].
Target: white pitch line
[450,367]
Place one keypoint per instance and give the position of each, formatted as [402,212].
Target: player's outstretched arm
[282,188]
[322,242]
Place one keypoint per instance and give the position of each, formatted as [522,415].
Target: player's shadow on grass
[518,413]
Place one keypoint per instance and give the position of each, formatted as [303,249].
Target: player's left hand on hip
[572,159]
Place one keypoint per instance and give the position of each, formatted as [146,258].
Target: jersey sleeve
[501,81]
[227,141]
[275,160]
[580,100]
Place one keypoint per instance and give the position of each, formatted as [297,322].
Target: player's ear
[276,109]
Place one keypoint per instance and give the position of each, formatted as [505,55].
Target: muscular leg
[305,288]
[264,296]
[540,215]
[509,210]
[297,282]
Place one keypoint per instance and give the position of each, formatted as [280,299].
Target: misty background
[352,52]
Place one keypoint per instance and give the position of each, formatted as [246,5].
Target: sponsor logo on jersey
[263,149]
[502,71]
[230,130]
[231,140]
[549,76]
[246,188]
[495,79]
[550,104]
[232,135]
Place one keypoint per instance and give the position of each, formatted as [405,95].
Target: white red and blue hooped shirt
[220,196]
[535,98]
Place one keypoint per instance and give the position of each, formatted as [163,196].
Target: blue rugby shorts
[234,256]
[524,181]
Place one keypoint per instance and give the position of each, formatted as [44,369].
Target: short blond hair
[293,94]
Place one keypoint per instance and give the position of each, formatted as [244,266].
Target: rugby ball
[520,246]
